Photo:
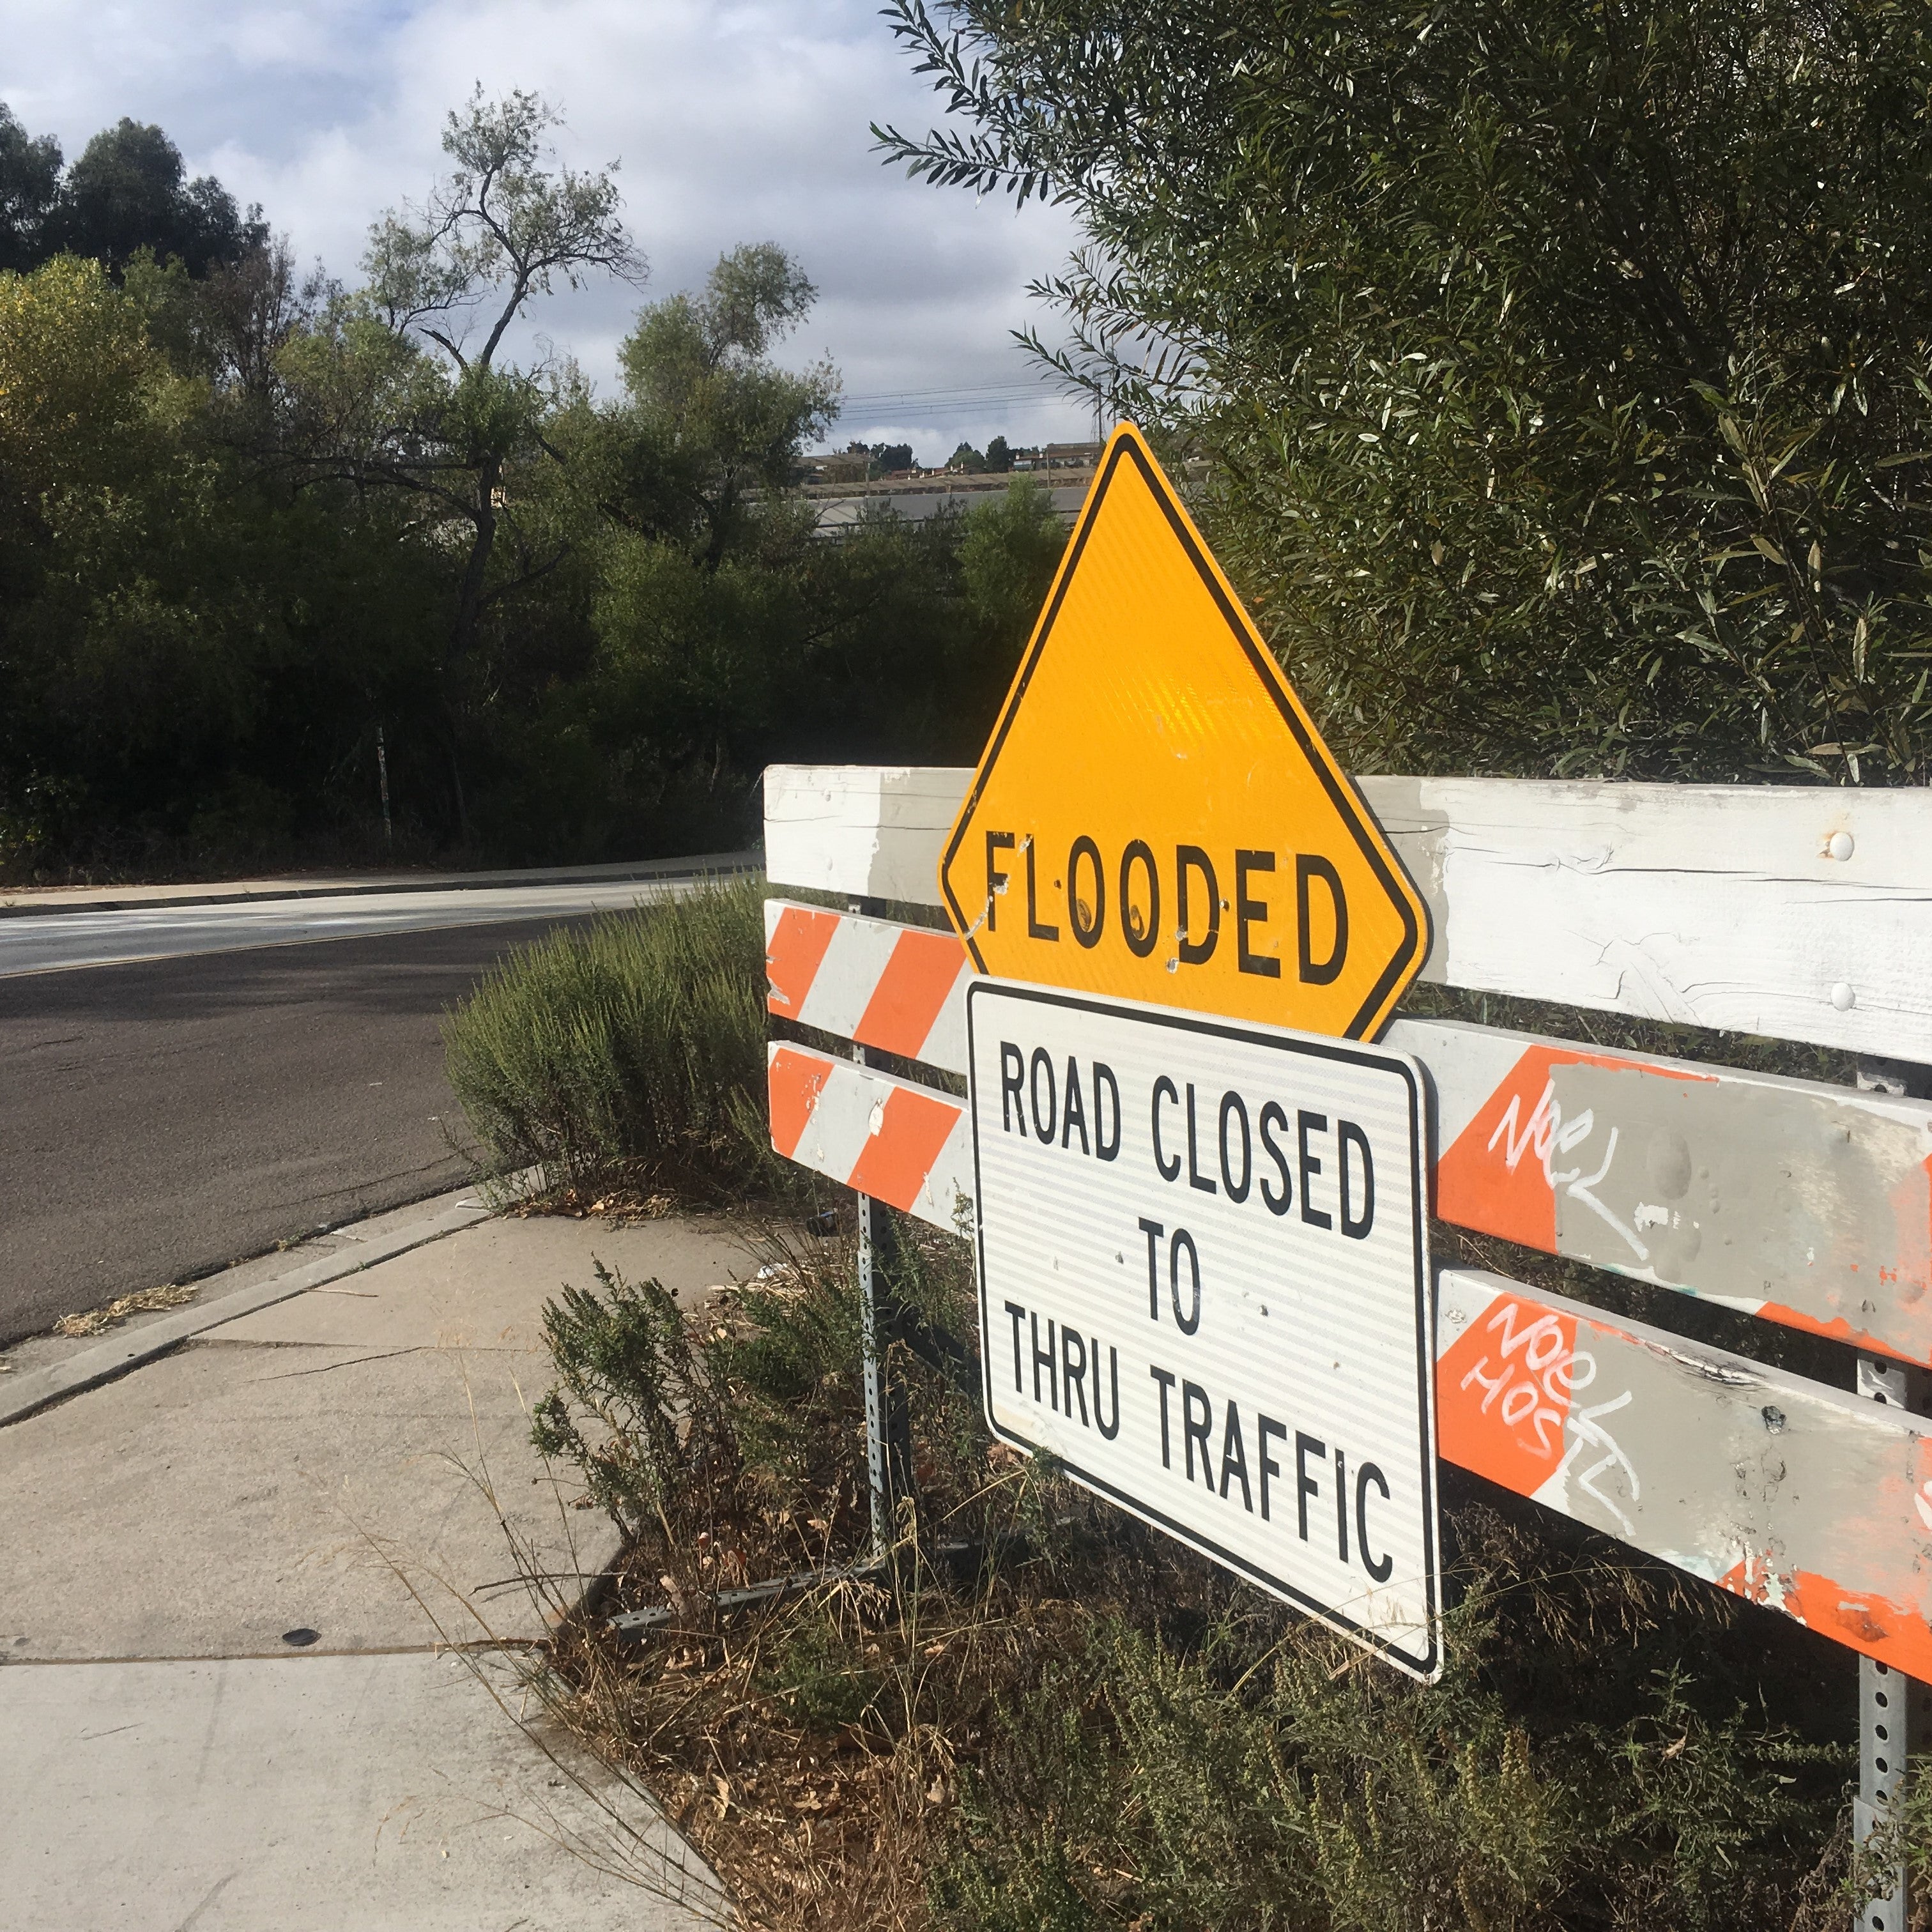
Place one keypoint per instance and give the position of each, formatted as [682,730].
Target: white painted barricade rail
[1802,912]
[901,1143]
[1808,1204]
[861,831]
[901,989]
[1807,1500]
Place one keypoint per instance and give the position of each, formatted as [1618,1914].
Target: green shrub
[1594,1758]
[1561,368]
[1068,1722]
[819,1677]
[661,1414]
[633,1050]
[637,1408]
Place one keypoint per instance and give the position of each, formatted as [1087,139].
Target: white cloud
[735,122]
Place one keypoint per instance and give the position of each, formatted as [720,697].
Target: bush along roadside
[628,1055]
[1055,1718]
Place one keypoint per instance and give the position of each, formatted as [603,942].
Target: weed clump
[631,1052]
[638,1408]
[1048,1715]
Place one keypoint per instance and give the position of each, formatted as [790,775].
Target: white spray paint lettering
[1548,1134]
[1524,1390]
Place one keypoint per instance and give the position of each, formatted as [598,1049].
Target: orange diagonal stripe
[795,1080]
[913,1129]
[793,955]
[919,975]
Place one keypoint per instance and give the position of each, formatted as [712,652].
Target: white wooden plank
[1806,1499]
[1809,1205]
[1716,906]
[904,1143]
[898,988]
[866,831]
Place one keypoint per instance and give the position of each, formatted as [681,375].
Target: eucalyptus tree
[500,229]
[408,385]
[128,191]
[712,425]
[126,194]
[30,172]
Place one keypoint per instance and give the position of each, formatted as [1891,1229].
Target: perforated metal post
[878,1455]
[878,1460]
[1894,1711]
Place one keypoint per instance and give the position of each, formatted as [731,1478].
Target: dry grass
[813,1747]
[1055,1718]
[143,1301]
[617,1205]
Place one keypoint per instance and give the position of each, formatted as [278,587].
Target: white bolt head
[1839,845]
[1843,998]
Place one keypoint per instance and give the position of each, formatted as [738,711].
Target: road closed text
[1203,1289]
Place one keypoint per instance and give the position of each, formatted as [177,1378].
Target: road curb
[89,1369]
[644,870]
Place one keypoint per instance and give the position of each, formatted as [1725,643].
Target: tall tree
[500,229]
[408,385]
[128,191]
[713,420]
[30,170]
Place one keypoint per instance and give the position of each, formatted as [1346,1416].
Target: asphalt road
[160,1120]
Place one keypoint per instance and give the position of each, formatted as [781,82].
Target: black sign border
[1347,801]
[1429,1667]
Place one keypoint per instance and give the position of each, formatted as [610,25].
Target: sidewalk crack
[388,1355]
[221,1885]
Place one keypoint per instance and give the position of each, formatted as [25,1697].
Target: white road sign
[1204,1287]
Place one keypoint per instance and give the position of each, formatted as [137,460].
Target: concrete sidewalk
[228,1577]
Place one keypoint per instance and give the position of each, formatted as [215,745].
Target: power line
[985,389]
[943,409]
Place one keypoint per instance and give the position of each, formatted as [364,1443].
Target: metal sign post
[884,1429]
[878,1460]
[1894,1711]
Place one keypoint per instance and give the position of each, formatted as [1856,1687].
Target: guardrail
[1803,914]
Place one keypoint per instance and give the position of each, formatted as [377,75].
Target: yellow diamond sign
[1155,816]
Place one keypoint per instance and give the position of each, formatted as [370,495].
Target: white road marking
[60,941]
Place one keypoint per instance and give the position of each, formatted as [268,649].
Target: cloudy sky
[733,122]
